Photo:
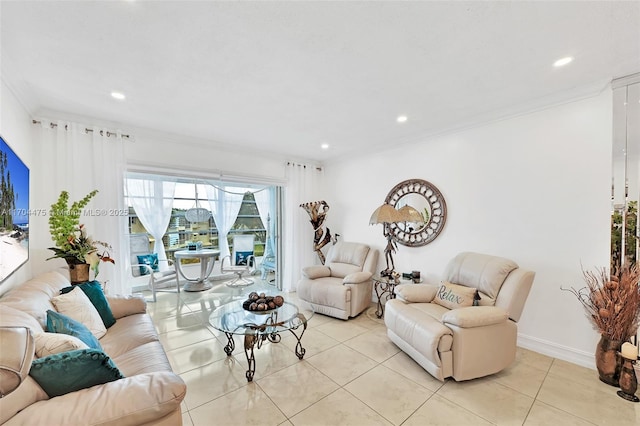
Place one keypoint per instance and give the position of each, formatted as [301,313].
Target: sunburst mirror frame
[424,233]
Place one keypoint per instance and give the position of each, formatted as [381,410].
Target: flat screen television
[14,211]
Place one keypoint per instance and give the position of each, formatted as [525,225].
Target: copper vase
[79,273]
[607,360]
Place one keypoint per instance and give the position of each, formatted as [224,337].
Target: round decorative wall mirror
[428,201]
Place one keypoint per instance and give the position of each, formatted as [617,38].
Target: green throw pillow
[93,290]
[58,323]
[74,370]
[148,259]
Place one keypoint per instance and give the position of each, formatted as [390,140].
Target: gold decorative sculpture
[317,211]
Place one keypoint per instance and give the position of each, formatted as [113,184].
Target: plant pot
[607,360]
[79,273]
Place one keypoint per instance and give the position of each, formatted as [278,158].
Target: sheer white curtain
[303,184]
[76,158]
[264,200]
[224,211]
[152,199]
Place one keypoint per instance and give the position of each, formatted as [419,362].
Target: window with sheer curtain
[234,208]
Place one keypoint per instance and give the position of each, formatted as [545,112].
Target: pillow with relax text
[74,370]
[454,296]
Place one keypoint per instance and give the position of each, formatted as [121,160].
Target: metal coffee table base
[253,340]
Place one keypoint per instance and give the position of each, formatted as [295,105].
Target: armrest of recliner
[316,271]
[357,277]
[416,293]
[475,316]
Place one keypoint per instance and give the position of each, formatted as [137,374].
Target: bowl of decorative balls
[261,303]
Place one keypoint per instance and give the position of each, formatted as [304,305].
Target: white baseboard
[565,353]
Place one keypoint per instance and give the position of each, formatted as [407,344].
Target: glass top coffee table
[232,319]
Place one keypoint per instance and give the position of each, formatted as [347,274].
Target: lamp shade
[410,214]
[385,214]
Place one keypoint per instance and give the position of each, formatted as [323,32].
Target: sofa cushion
[346,252]
[481,271]
[76,305]
[71,371]
[147,358]
[34,296]
[434,310]
[54,343]
[10,317]
[327,291]
[127,334]
[454,296]
[341,270]
[139,400]
[345,258]
[93,290]
[418,328]
[59,323]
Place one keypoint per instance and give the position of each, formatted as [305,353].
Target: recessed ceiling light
[563,61]
[324,146]
[119,96]
[401,118]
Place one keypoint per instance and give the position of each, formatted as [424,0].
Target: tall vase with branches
[612,304]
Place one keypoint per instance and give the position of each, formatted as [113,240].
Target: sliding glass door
[207,213]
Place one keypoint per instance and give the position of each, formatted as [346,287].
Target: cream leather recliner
[463,342]
[342,287]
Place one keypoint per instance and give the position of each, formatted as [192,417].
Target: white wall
[534,188]
[187,155]
[17,132]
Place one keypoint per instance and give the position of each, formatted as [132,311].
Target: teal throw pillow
[93,290]
[148,259]
[59,323]
[242,257]
[74,370]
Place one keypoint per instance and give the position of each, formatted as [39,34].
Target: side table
[385,289]
[207,259]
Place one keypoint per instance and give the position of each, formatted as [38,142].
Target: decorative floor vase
[607,360]
[79,273]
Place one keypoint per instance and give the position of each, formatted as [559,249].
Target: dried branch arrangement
[612,303]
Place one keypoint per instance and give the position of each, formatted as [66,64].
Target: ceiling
[281,78]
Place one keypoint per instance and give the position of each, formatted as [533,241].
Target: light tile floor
[353,375]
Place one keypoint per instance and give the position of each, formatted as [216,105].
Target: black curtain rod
[102,132]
